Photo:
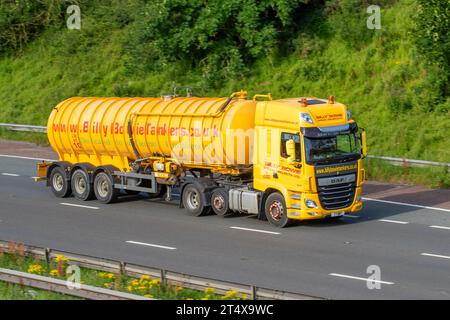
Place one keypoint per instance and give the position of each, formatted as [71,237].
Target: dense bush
[221,37]
[433,38]
[22,20]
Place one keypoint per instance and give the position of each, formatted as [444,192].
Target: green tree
[22,20]
[219,36]
[433,38]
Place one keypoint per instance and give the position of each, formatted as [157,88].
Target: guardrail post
[253,293]
[163,277]
[122,268]
[48,257]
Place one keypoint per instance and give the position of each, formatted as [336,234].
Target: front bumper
[299,211]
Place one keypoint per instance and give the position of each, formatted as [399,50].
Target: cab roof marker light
[331,100]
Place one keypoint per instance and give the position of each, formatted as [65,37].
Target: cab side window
[286,137]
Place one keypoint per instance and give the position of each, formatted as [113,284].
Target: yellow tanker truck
[296,158]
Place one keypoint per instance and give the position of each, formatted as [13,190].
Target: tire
[104,188]
[220,202]
[275,209]
[81,187]
[193,201]
[59,184]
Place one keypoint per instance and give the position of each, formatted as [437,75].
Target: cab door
[290,168]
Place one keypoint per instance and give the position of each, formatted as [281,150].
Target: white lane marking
[393,221]
[151,245]
[440,227]
[255,230]
[27,158]
[358,278]
[10,174]
[407,204]
[78,205]
[434,255]
[351,216]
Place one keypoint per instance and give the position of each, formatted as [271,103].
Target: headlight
[306,117]
[349,115]
[311,204]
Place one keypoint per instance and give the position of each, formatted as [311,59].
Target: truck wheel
[59,184]
[220,202]
[104,188]
[81,188]
[193,201]
[275,208]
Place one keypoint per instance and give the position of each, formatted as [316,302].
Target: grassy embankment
[377,73]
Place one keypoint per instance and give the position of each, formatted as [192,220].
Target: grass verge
[383,171]
[10,291]
[34,137]
[145,286]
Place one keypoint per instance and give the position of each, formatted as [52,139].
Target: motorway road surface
[410,244]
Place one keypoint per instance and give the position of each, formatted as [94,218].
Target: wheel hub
[219,203]
[193,200]
[80,185]
[276,210]
[103,188]
[58,182]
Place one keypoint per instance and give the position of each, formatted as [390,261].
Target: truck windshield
[339,148]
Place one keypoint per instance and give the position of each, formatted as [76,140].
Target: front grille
[337,196]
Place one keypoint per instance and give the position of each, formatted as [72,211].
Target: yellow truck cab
[296,158]
[312,157]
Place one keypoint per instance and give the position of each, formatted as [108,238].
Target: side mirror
[290,151]
[363,139]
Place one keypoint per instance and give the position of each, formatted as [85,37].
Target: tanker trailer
[286,159]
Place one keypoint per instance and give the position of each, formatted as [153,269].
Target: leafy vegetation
[394,80]
[16,259]
[9,291]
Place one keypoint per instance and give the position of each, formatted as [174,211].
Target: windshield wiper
[337,159]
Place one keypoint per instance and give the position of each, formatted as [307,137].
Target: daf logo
[337,180]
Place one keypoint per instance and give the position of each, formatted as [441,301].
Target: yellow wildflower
[60,257]
[145,277]
[54,273]
[231,294]
[155,282]
[135,283]
[210,290]
[35,268]
[244,296]
[130,288]
[148,296]
[179,288]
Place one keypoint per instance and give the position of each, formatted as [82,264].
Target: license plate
[337,214]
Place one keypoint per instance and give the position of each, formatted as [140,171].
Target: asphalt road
[410,244]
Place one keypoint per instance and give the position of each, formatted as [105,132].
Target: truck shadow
[372,210]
